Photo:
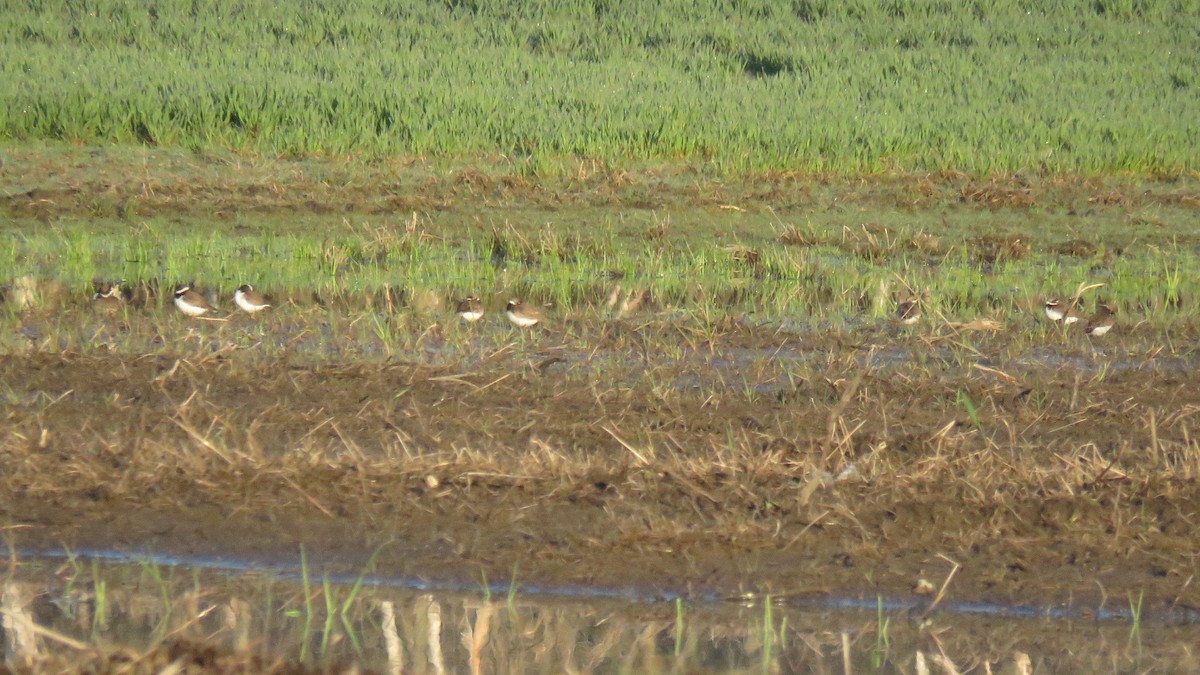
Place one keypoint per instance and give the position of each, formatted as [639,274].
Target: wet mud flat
[757,442]
[799,465]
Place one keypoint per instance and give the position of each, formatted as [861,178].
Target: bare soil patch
[613,469]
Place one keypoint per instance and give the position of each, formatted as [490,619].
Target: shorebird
[470,308]
[249,299]
[521,314]
[110,301]
[190,302]
[633,301]
[1101,322]
[1057,311]
[908,312]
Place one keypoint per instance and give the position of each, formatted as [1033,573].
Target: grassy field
[840,280]
[1063,87]
[784,253]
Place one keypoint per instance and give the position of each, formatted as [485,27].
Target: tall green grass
[1074,85]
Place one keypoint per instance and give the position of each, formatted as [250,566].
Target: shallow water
[785,343]
[288,610]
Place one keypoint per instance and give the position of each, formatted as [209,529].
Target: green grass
[385,302]
[815,86]
[838,281]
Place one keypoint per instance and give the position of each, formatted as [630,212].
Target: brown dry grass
[132,184]
[729,467]
[663,451]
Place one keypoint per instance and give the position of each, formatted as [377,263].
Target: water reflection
[75,614]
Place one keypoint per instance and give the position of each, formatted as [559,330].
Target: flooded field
[204,615]
[723,406]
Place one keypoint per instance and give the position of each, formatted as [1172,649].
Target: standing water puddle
[107,611]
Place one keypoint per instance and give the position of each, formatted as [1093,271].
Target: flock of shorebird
[908,312]
[192,303]
[522,315]
[470,309]
[1066,313]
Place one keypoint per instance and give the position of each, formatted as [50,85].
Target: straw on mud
[199,438]
[494,382]
[641,458]
[835,414]
[937,599]
[807,527]
[1105,471]
[309,498]
[170,372]
[994,371]
[458,379]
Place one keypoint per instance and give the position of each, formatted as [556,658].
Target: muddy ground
[662,452]
[839,473]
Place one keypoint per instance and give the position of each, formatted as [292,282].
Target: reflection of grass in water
[351,598]
[583,636]
[151,568]
[330,614]
[678,626]
[485,586]
[100,589]
[511,597]
[882,641]
[308,606]
[1135,613]
[768,636]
